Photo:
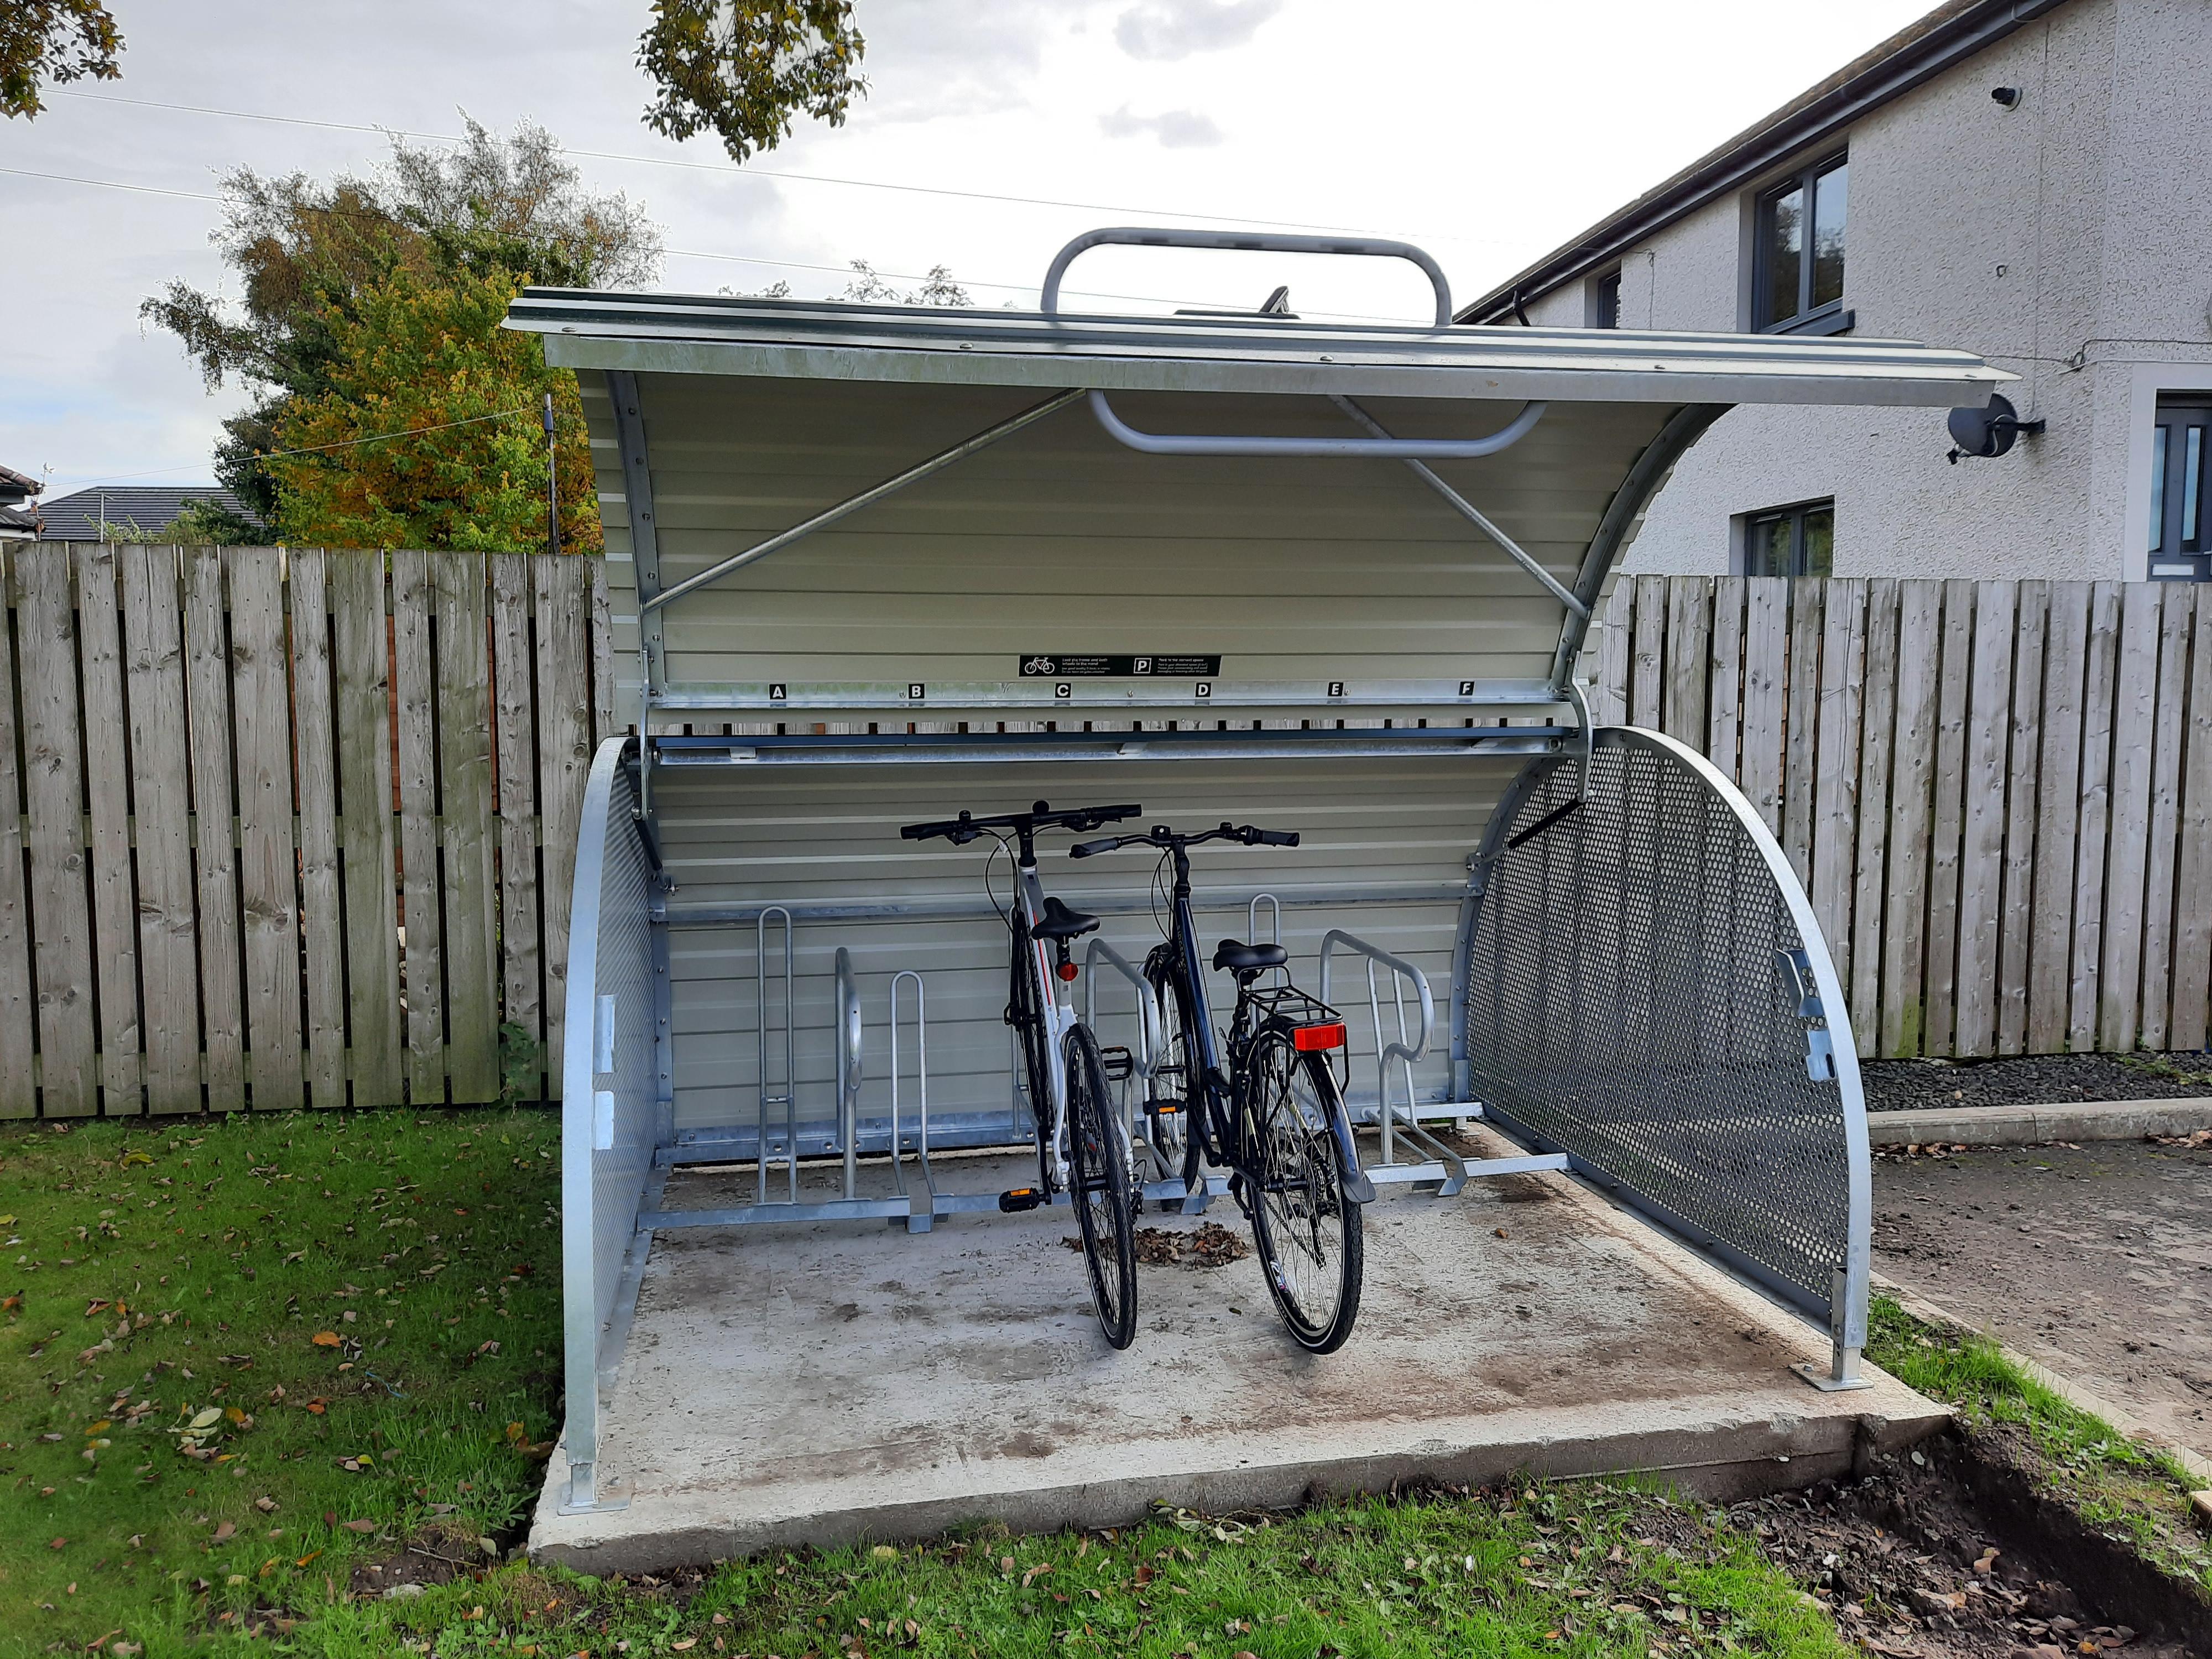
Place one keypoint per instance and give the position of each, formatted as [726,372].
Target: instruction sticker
[1052,665]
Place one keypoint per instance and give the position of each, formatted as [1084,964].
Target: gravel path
[2096,1260]
[1898,1086]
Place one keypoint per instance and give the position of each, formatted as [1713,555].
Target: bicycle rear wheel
[1101,1180]
[1307,1230]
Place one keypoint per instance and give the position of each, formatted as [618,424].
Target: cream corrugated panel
[824,836]
[1061,540]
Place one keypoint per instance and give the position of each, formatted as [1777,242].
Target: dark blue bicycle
[1262,1100]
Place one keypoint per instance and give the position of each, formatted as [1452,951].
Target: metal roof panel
[708,334]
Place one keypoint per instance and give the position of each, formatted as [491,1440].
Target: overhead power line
[723,167]
[695,253]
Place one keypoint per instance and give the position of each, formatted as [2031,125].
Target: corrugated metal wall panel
[1061,540]
[816,836]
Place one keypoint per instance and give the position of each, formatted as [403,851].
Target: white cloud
[1162,31]
[1175,129]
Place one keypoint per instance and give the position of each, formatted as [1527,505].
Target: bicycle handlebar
[965,828]
[1161,836]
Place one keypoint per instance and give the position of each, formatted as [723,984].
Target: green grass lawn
[244,1359]
[242,1355]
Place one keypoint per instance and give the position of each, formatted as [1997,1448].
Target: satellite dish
[1987,432]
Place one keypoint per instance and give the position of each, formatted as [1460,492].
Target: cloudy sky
[1487,131]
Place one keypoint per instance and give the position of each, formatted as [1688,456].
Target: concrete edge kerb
[2031,1126]
[1934,1313]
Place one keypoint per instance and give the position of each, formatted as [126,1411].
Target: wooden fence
[288,828]
[1999,794]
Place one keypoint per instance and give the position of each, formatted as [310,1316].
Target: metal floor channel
[827,1382]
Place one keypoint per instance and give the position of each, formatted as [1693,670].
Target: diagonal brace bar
[943,459]
[1473,515]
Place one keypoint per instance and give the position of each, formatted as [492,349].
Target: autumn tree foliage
[369,326]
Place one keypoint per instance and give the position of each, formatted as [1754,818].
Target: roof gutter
[1819,116]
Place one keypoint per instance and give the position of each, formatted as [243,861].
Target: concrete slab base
[820,1384]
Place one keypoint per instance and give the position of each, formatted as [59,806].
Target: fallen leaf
[225,1530]
[685,1645]
[325,1339]
[208,1418]
[1985,1561]
[360,1526]
[58,1543]
[316,1407]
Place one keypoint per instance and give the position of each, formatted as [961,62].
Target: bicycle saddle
[1062,923]
[1240,958]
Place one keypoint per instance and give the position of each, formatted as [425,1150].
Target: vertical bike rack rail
[848,1068]
[1443,1165]
[922,1216]
[789,1098]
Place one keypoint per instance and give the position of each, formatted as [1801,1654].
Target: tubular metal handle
[1243,241]
[1388,449]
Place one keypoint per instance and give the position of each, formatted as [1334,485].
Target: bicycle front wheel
[1307,1230]
[1101,1179]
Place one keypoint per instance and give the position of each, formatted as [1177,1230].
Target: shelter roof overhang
[693,334]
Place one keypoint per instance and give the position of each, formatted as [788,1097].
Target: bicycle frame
[1221,1120]
[1036,969]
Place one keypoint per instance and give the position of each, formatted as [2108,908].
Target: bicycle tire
[1306,1228]
[1099,1180]
[1175,1084]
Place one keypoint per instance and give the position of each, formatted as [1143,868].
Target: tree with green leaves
[55,41]
[742,68]
[339,280]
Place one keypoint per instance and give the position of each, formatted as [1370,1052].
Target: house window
[2180,536]
[1605,301]
[1792,541]
[1797,264]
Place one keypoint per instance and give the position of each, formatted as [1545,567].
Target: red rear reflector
[1068,971]
[1307,1038]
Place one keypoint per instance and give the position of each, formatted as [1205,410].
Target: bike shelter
[869,565]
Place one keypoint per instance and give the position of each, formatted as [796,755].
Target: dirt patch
[1950,1553]
[1899,1086]
[436,1553]
[2095,1259]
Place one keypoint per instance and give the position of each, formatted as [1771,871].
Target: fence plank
[2089,844]
[1904,920]
[107,793]
[1801,727]
[1724,722]
[465,787]
[2016,913]
[1766,651]
[207,684]
[1947,815]
[564,760]
[2057,818]
[1689,654]
[1981,853]
[268,865]
[322,935]
[423,948]
[516,758]
[2170,712]
[2129,828]
[2192,938]
[365,839]
[1877,736]
[1647,651]
[1610,705]
[61,908]
[1833,846]
[19,1007]
[161,791]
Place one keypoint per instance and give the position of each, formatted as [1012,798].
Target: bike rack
[1443,1164]
[789,1098]
[1144,1055]
[736,798]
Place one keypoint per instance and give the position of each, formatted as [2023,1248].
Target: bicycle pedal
[1163,1108]
[1120,1064]
[1021,1197]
